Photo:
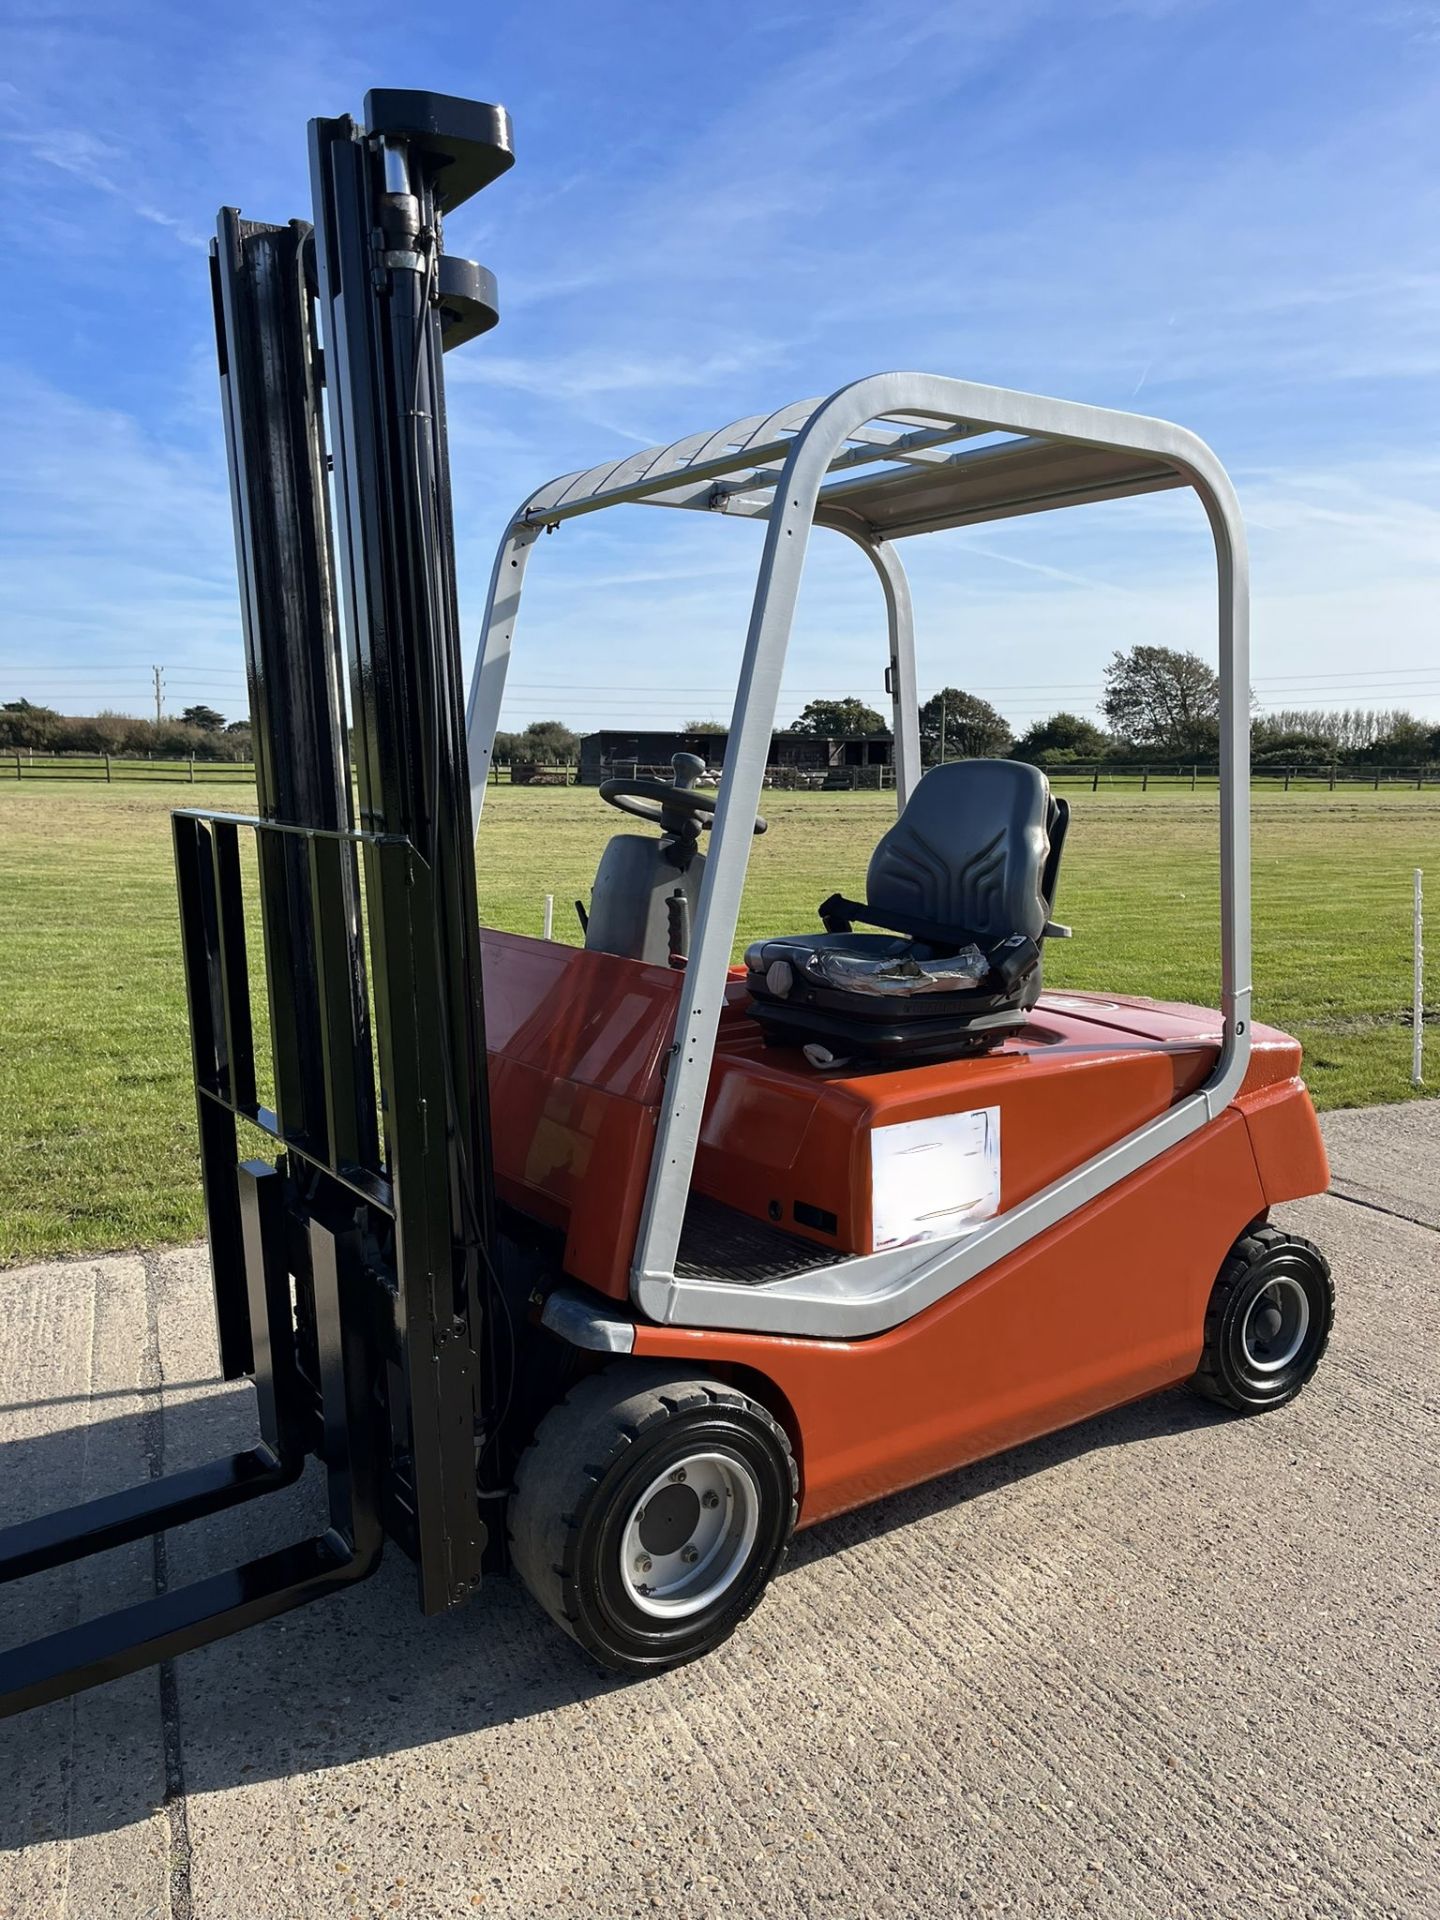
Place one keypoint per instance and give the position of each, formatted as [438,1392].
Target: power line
[197,670]
[121,666]
[1012,686]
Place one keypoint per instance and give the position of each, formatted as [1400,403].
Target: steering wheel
[675,809]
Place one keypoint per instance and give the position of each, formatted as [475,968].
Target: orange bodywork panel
[1285,1139]
[576,1040]
[1106,1306]
[577,1047]
[1103,1308]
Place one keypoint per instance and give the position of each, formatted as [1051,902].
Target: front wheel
[650,1513]
[1268,1322]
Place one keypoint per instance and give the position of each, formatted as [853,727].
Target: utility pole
[942,729]
[158,674]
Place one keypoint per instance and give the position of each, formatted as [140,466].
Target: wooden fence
[20,764]
[1145,775]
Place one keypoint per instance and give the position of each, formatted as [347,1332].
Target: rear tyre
[650,1513]
[1268,1322]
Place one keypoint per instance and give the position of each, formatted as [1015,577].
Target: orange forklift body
[578,1041]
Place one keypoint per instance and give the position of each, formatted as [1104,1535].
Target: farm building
[616,751]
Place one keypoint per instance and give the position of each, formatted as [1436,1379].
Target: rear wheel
[1268,1322]
[650,1513]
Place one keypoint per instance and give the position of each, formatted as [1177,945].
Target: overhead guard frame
[883,459]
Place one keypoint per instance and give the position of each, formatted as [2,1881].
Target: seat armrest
[835,914]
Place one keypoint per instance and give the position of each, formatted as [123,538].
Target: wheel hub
[1275,1324]
[668,1518]
[689,1536]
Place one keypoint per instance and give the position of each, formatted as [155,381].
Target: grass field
[96,1112]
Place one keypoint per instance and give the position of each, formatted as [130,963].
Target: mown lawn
[96,1112]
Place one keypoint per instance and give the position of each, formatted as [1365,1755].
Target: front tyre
[1268,1322]
[650,1513]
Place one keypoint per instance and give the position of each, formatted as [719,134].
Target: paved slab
[1393,1166]
[1167,1663]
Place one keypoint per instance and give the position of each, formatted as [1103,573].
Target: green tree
[1405,738]
[1274,747]
[23,724]
[973,729]
[174,740]
[548,741]
[121,732]
[1162,701]
[839,719]
[1064,736]
[706,726]
[203,717]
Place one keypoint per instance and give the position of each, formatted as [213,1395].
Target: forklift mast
[353,1260]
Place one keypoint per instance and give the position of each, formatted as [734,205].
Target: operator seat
[963,885]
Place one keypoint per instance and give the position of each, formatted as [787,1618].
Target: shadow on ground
[363,1674]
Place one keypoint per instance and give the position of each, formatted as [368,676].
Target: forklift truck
[615,1262]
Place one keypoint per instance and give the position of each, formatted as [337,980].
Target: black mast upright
[351,1270]
[271,399]
[380,194]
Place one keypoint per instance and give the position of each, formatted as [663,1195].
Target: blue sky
[1219,211]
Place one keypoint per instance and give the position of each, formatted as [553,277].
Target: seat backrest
[970,850]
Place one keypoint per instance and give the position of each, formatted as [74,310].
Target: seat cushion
[797,947]
[893,982]
[877,966]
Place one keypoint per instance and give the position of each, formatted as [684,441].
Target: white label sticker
[931,1179]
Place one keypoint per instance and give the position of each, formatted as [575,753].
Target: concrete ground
[1167,1663]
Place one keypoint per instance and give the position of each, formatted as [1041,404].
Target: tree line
[204,733]
[1159,704]
[199,733]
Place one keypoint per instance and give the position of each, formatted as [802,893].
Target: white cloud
[96,163]
[115,551]
[1194,207]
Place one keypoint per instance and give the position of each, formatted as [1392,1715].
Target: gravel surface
[1166,1663]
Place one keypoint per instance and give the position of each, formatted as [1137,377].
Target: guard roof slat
[899,473]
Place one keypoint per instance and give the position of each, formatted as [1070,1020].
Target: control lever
[677,910]
[681,828]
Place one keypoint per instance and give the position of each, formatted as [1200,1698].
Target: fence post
[1145,779]
[1193,771]
[1377,779]
[1419,778]
[1332,776]
[107,769]
[18,774]
[1095,781]
[192,769]
[1288,772]
[1417,1033]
